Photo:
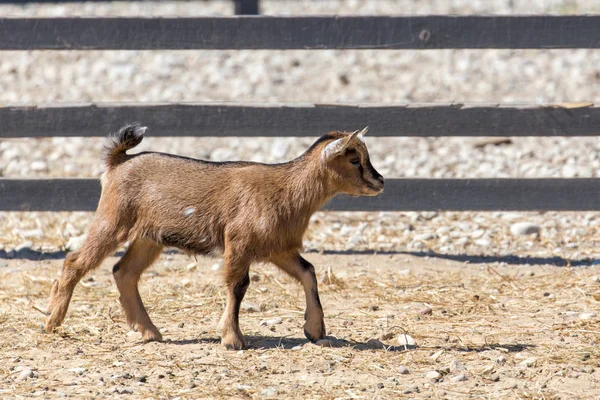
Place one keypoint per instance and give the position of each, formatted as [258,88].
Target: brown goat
[249,211]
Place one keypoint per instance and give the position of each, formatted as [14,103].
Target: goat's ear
[334,149]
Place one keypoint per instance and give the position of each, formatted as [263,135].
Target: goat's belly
[192,244]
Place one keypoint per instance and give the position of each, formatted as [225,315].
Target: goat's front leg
[302,270]
[236,284]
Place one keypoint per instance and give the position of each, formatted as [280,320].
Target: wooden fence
[314,33]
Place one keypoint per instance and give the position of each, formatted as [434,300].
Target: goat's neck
[308,187]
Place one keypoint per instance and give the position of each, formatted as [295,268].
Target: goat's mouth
[372,190]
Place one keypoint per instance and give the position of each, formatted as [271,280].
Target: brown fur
[248,211]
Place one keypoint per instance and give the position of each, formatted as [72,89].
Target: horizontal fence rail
[399,195]
[318,32]
[242,7]
[226,119]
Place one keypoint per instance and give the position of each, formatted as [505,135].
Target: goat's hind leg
[140,255]
[98,245]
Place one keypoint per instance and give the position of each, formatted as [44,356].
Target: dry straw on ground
[513,331]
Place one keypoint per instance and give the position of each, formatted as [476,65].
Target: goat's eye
[355,161]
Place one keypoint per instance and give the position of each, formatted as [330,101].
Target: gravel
[328,76]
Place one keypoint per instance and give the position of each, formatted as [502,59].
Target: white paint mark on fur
[189,211]
[332,148]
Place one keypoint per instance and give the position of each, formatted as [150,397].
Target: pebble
[38,166]
[271,322]
[25,245]
[32,233]
[459,378]
[488,369]
[426,311]
[433,375]
[402,370]
[406,340]
[424,236]
[25,374]
[529,362]
[268,392]
[249,307]
[437,355]
[501,360]
[456,365]
[123,391]
[374,344]
[587,315]
[524,228]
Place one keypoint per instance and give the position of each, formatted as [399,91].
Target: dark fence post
[246,7]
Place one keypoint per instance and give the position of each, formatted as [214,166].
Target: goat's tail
[127,138]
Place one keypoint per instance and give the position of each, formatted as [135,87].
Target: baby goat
[248,211]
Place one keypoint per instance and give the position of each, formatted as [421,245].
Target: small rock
[181,325]
[406,340]
[380,386]
[501,360]
[296,348]
[25,374]
[424,236]
[249,307]
[530,362]
[459,378]
[495,378]
[571,313]
[123,391]
[375,344]
[587,315]
[596,279]
[142,378]
[268,392]
[38,166]
[254,277]
[433,375]
[324,343]
[456,365]
[25,245]
[488,369]
[75,243]
[524,228]
[402,370]
[271,322]
[426,311]
[33,233]
[437,355]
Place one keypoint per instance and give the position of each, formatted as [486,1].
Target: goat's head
[347,159]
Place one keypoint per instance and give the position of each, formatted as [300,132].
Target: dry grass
[480,313]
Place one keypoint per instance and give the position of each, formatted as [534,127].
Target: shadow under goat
[251,212]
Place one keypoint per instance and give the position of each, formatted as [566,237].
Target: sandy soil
[513,328]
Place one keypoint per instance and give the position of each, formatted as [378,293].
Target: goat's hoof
[233,342]
[50,325]
[314,332]
[152,335]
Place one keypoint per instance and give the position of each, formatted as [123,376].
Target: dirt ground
[510,328]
